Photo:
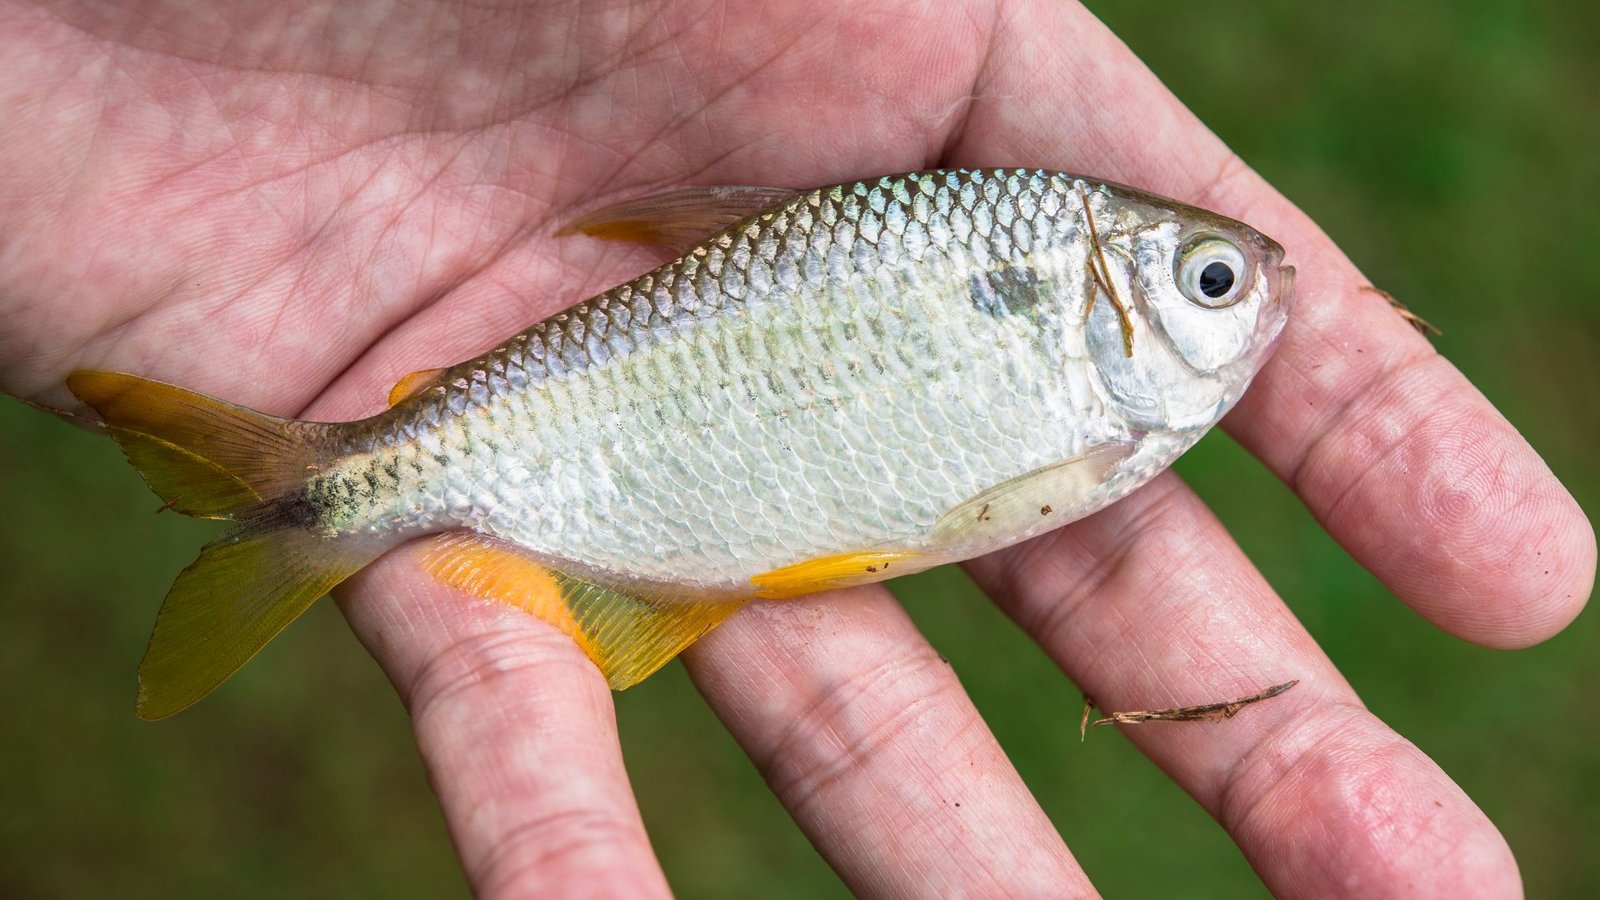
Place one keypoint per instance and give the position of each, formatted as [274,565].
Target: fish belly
[701,460]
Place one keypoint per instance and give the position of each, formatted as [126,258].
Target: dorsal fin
[413,383]
[629,631]
[680,219]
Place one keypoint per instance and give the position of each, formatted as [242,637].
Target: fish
[826,388]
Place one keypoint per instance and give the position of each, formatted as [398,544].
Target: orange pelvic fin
[628,631]
[837,571]
[678,220]
[413,383]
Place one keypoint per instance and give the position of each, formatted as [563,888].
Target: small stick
[1423,326]
[1102,277]
[1206,712]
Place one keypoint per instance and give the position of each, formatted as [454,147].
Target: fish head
[1199,303]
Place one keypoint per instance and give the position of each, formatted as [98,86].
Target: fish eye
[1211,272]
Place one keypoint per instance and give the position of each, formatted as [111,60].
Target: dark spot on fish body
[332,498]
[1045,510]
[1007,291]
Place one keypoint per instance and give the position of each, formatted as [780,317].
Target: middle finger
[869,740]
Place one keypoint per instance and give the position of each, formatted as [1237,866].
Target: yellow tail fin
[244,589]
[213,459]
[205,457]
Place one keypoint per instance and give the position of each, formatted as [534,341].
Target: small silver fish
[828,388]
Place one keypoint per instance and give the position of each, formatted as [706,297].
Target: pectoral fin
[678,220]
[1012,507]
[629,631]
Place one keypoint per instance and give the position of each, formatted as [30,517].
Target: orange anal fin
[412,383]
[837,571]
[628,631]
[678,220]
[491,570]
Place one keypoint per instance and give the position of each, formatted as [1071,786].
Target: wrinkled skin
[291,207]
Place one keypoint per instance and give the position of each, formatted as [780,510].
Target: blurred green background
[1448,146]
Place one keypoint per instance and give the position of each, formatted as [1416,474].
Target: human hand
[291,207]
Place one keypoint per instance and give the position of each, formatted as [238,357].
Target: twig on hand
[1423,326]
[1206,712]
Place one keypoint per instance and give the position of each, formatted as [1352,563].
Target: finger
[1394,451]
[867,737]
[517,731]
[1150,604]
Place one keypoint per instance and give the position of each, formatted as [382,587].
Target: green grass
[1448,147]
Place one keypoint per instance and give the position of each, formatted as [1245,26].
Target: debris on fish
[828,387]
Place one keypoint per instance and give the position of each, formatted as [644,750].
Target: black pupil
[1216,279]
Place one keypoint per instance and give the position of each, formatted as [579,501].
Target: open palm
[291,205]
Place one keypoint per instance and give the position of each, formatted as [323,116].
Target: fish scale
[688,354]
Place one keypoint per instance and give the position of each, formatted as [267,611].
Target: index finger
[1395,452]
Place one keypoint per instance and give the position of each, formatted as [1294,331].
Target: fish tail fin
[245,588]
[213,459]
[205,457]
